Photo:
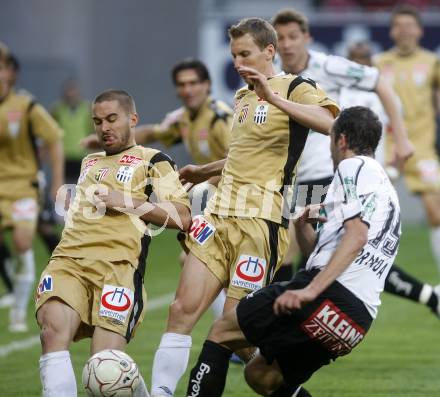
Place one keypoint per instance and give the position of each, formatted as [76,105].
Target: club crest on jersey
[45,285]
[116,302]
[127,159]
[201,230]
[101,173]
[125,174]
[243,113]
[260,115]
[249,272]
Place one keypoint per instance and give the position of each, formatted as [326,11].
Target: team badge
[243,113]
[125,174]
[14,123]
[420,74]
[260,115]
[201,230]
[101,173]
[116,303]
[127,159]
[249,272]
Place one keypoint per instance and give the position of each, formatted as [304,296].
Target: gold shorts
[106,294]
[422,173]
[243,253]
[22,211]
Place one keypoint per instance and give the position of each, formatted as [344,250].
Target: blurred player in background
[415,75]
[203,124]
[74,116]
[23,121]
[93,284]
[240,240]
[332,73]
[325,311]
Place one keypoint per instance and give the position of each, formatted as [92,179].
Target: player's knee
[22,243]
[54,332]
[181,309]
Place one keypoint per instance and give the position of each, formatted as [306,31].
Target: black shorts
[305,340]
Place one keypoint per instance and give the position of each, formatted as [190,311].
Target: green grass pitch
[400,357]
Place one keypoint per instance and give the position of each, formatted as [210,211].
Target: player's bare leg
[58,323]
[22,237]
[197,288]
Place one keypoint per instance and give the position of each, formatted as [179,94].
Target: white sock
[57,376]
[218,304]
[435,244]
[425,294]
[170,362]
[141,390]
[24,281]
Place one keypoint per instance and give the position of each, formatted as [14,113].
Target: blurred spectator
[74,116]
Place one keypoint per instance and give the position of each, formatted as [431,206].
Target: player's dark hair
[13,62]
[261,31]
[191,64]
[406,9]
[360,51]
[123,98]
[361,127]
[286,16]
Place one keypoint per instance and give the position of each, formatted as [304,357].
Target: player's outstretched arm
[90,142]
[200,173]
[355,237]
[305,233]
[315,117]
[404,148]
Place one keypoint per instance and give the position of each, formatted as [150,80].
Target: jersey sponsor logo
[25,209]
[14,118]
[116,302]
[127,159]
[89,163]
[125,174]
[45,285]
[101,173]
[333,329]
[350,188]
[420,74]
[429,171]
[243,113]
[249,272]
[260,115]
[195,382]
[201,230]
[203,133]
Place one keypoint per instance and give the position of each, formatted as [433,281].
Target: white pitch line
[5,350]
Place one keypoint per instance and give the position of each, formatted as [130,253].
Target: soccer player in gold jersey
[93,284]
[239,241]
[22,122]
[415,75]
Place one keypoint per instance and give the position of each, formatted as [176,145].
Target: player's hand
[310,214]
[171,118]
[192,174]
[403,151]
[258,80]
[112,199]
[292,300]
[90,142]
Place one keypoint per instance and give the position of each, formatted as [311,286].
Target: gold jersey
[22,122]
[206,135]
[265,149]
[414,78]
[95,233]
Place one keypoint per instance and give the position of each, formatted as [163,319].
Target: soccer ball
[110,373]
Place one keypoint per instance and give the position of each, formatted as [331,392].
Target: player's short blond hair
[290,15]
[261,31]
